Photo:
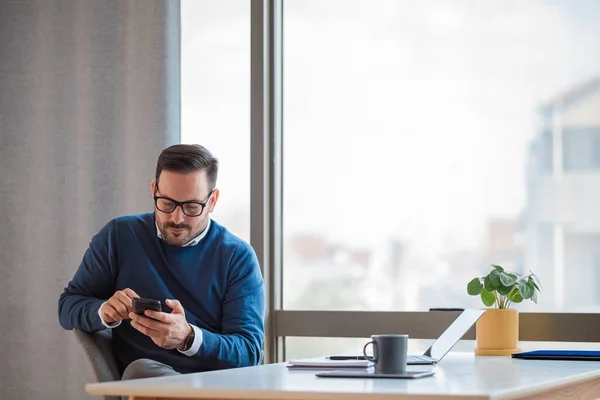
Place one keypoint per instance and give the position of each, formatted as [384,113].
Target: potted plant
[497,331]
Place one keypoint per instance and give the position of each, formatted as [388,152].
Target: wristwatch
[189,340]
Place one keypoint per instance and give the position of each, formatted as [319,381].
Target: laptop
[442,345]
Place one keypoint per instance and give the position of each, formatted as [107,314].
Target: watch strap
[189,340]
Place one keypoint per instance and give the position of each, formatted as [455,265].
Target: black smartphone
[140,305]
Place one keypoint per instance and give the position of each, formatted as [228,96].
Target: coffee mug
[389,353]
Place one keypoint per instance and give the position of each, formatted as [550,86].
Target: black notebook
[586,355]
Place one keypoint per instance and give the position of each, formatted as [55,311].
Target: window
[581,149]
[215,98]
[408,128]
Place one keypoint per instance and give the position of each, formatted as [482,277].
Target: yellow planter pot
[497,332]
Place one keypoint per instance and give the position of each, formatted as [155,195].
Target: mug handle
[372,359]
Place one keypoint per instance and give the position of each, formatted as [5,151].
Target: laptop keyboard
[419,359]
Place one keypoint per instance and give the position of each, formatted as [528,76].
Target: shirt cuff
[195,344]
[109,326]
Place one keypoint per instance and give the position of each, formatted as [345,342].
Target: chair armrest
[99,351]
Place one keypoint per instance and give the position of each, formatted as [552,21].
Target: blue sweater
[218,282]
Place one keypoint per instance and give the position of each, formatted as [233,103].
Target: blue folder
[586,355]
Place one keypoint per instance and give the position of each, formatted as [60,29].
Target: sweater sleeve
[239,344]
[92,284]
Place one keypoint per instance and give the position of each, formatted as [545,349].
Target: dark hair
[188,158]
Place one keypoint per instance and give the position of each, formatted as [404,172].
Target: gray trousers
[146,368]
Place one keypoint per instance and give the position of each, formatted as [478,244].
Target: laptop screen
[453,333]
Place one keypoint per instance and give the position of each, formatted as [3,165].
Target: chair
[98,349]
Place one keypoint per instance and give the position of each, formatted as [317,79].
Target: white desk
[459,375]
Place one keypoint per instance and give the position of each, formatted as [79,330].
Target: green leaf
[536,280]
[526,289]
[488,298]
[516,297]
[504,290]
[507,279]
[498,268]
[533,283]
[494,280]
[534,298]
[474,287]
[495,277]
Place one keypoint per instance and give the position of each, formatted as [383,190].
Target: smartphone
[140,305]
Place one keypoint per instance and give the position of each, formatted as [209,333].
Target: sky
[401,118]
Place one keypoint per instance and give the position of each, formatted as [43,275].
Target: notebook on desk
[578,355]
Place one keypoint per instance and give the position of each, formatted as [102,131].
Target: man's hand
[118,306]
[168,331]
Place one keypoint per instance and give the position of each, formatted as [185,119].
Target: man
[208,280]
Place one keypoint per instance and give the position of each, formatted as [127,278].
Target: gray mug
[389,353]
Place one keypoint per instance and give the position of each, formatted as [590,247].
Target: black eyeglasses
[189,208]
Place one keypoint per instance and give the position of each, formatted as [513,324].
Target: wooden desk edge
[586,389]
[224,394]
[337,397]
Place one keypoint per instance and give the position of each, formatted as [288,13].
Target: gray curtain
[89,95]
